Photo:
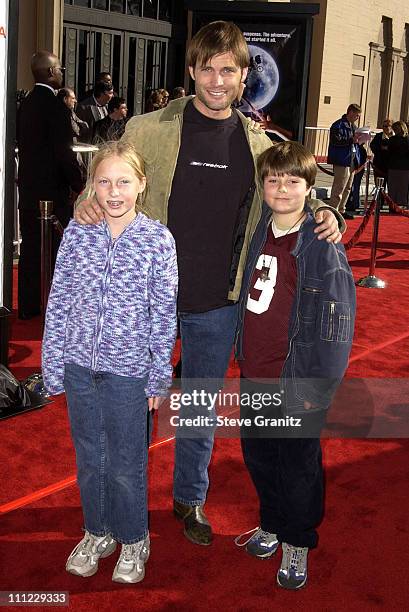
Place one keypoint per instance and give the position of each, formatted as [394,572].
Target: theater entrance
[136,61]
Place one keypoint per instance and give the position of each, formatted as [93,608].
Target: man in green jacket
[200,157]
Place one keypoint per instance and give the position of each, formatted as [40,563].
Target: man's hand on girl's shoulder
[88,212]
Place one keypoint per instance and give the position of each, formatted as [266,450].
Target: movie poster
[273,89]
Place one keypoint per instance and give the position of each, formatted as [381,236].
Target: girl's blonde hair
[123,150]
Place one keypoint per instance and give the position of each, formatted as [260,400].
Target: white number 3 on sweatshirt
[265,286]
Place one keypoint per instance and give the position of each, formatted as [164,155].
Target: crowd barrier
[48,222]
[371,281]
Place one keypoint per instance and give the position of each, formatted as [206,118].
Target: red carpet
[362,555]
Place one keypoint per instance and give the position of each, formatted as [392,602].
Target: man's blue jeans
[207,341]
[108,417]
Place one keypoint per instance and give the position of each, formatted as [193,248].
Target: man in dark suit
[95,107]
[48,170]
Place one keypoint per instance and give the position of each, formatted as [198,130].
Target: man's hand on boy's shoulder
[327,227]
[88,212]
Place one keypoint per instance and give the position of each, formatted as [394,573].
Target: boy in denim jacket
[296,323]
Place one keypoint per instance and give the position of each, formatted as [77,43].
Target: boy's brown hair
[288,157]
[215,38]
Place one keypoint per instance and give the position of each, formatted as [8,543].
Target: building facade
[140,42]
[359,51]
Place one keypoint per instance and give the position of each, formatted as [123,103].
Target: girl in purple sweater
[109,333]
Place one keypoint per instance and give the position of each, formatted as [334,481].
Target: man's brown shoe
[197,527]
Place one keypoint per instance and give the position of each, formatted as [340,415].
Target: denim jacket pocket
[310,296]
[336,322]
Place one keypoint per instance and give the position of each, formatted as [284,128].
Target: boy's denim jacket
[321,321]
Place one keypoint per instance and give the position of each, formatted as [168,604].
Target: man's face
[70,100]
[353,116]
[120,112]
[107,79]
[105,97]
[217,84]
[387,128]
[57,76]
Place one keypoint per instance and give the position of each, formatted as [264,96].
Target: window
[358,62]
[164,10]
[102,5]
[357,86]
[150,9]
[117,6]
[133,7]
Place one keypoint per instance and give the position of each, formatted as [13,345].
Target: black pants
[29,266]
[286,472]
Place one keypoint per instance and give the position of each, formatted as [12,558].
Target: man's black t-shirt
[213,174]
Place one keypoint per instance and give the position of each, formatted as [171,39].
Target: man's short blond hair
[216,38]
[287,157]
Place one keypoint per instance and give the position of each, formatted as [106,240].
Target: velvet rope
[325,171]
[395,207]
[354,239]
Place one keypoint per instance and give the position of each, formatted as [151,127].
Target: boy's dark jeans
[286,471]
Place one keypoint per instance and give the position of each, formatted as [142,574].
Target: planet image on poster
[262,80]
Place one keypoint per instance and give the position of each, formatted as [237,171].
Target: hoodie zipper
[106,282]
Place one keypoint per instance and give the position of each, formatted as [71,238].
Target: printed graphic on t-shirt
[271,296]
[266,286]
[208,165]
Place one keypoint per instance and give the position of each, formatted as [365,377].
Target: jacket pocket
[336,322]
[309,302]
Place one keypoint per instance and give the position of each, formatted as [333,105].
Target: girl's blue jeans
[109,426]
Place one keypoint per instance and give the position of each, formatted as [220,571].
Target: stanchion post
[46,211]
[371,281]
[367,179]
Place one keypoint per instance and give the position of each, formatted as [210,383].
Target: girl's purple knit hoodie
[112,306]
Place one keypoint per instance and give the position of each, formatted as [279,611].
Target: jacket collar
[305,233]
[175,108]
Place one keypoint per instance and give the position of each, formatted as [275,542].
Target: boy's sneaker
[83,561]
[261,544]
[130,567]
[293,571]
